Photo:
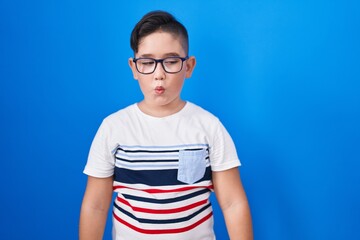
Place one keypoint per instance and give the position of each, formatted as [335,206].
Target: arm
[95,207]
[233,203]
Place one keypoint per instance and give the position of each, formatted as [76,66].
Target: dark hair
[155,21]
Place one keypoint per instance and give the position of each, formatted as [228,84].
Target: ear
[190,65]
[133,68]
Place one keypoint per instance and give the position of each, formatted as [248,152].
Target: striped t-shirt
[162,171]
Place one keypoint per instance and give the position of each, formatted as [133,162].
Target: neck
[161,110]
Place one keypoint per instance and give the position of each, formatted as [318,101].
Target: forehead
[159,44]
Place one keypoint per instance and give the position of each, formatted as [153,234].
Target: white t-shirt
[162,171]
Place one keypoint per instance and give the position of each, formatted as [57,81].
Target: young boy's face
[161,88]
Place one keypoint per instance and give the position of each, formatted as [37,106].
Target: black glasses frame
[162,63]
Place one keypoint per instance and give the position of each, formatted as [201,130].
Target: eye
[170,61]
[147,62]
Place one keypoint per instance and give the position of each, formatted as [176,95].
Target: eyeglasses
[169,64]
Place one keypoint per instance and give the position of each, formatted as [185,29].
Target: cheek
[178,85]
[146,84]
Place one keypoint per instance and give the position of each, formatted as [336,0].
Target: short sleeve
[223,155]
[100,161]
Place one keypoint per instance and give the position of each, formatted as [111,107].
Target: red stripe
[162,231]
[163,211]
[155,190]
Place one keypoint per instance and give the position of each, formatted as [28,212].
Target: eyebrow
[171,54]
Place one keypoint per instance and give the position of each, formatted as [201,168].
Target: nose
[159,73]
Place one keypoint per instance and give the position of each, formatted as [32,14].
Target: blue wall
[283,76]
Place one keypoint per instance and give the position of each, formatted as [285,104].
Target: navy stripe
[153,177]
[194,149]
[146,151]
[151,160]
[146,160]
[163,221]
[168,200]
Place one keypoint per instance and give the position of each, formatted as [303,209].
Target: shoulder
[198,117]
[119,117]
[195,111]
[122,113]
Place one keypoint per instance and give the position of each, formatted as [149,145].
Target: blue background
[283,76]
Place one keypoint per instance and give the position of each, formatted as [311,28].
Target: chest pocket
[192,165]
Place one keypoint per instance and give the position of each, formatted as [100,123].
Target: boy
[162,156]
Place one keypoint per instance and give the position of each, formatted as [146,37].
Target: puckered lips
[159,90]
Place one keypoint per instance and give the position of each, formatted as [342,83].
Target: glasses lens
[145,65]
[172,64]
